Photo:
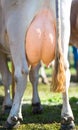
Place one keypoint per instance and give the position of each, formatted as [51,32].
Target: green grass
[52,104]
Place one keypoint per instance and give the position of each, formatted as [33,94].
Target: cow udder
[41,38]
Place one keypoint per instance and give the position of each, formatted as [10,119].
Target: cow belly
[41,38]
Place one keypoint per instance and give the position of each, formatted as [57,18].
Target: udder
[41,38]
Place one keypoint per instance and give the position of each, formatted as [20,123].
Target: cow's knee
[25,67]
[33,77]
[33,74]
[19,75]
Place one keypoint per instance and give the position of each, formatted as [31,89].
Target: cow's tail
[58,77]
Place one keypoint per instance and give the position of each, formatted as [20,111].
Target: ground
[52,104]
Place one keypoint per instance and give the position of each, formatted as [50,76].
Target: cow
[18,18]
[5,73]
[6,81]
[74,23]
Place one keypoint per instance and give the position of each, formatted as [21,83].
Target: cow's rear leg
[20,76]
[34,76]
[7,80]
[15,115]
[67,122]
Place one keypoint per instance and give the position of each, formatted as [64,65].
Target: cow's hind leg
[7,80]
[67,122]
[20,76]
[15,115]
[34,76]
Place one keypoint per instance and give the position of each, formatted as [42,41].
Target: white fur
[17,16]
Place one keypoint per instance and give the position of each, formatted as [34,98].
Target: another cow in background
[19,23]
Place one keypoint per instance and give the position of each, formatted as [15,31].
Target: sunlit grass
[52,104]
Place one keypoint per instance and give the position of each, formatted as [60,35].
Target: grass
[52,104]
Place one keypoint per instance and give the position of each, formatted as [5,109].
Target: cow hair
[58,78]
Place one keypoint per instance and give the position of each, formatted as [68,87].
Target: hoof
[67,123]
[16,119]
[10,126]
[37,108]
[6,109]
[15,122]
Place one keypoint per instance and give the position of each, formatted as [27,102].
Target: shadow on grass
[51,113]
[74,106]
[1,99]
